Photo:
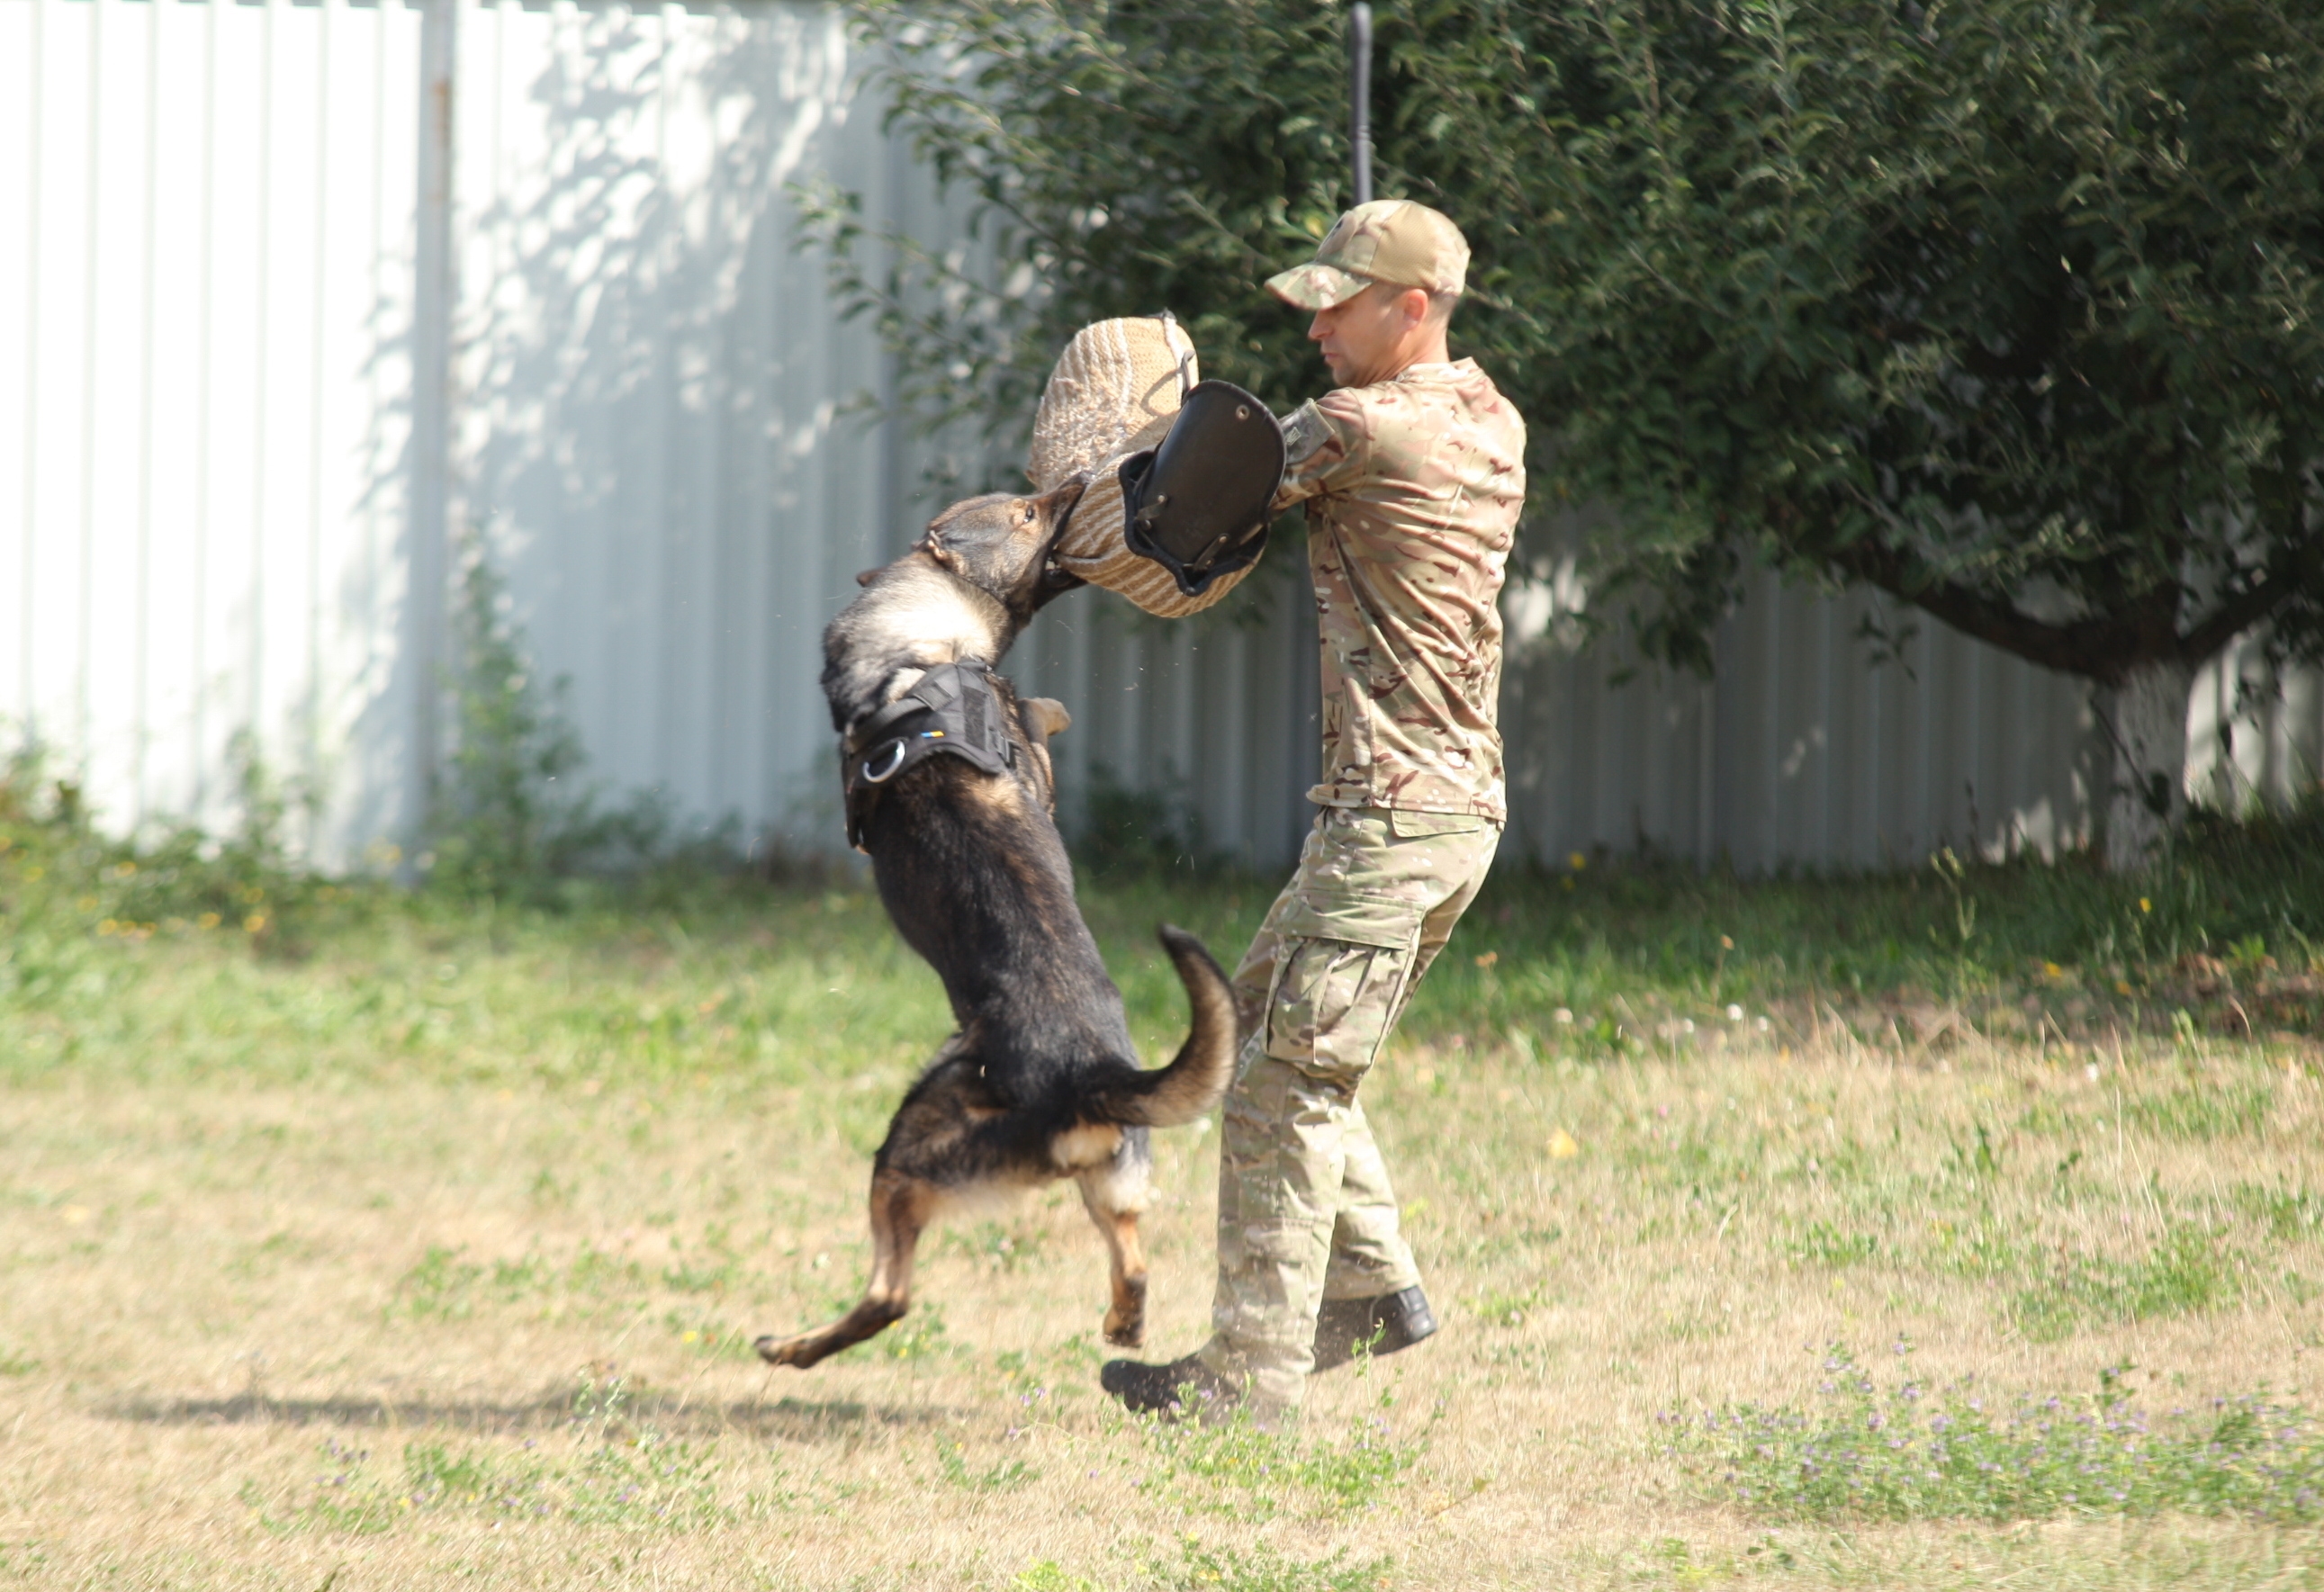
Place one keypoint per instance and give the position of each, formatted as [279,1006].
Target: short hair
[1440,302]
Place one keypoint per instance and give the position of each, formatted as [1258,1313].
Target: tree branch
[2232,618]
[2098,648]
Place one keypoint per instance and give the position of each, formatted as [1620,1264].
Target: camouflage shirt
[1412,487]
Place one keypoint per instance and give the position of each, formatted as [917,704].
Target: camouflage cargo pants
[1306,1210]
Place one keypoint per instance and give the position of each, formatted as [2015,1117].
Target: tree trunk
[2147,795]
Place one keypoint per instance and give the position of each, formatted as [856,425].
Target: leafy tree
[2009,308]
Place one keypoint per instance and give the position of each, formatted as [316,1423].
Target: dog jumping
[949,789]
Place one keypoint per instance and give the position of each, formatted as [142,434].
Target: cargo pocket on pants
[1330,1007]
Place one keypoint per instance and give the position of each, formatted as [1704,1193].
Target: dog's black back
[977,879]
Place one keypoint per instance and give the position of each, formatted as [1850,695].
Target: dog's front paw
[782,1351]
[1125,1331]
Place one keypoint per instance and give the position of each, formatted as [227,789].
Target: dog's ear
[1045,716]
[1064,498]
[932,543]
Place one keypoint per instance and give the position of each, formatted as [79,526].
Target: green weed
[2190,1269]
[1821,1244]
[719,1342]
[446,1287]
[1509,1309]
[1235,1468]
[918,1337]
[1001,1478]
[1199,1568]
[1050,1576]
[2200,1111]
[2287,1213]
[1264,1569]
[1908,1452]
[685,1277]
[440,1288]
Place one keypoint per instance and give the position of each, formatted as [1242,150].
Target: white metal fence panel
[271,363]
[1804,748]
[206,231]
[1802,751]
[298,300]
[1213,719]
[652,379]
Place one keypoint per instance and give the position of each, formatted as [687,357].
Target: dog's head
[1001,545]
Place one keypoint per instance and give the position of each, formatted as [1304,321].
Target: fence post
[434,303]
[1359,99]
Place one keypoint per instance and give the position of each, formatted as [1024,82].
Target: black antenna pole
[1360,98]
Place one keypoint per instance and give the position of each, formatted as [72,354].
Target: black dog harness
[953,709]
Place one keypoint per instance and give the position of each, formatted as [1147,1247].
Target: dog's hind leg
[901,1207]
[1114,1194]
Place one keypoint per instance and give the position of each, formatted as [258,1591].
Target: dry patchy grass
[430,1254]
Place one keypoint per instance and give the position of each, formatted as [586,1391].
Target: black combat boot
[1182,1387]
[1388,1322]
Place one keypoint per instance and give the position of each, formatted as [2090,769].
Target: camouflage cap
[1392,241]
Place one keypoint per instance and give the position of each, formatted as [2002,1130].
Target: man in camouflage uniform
[1413,475]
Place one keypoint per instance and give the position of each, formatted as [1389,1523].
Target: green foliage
[1124,160]
[686,972]
[1126,830]
[2065,937]
[1509,1309]
[2008,304]
[1903,1452]
[512,817]
[512,822]
[63,881]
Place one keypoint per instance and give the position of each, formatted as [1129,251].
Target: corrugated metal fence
[296,299]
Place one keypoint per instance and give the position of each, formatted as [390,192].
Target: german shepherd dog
[1039,1082]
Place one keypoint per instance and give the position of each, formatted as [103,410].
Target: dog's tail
[1198,1075]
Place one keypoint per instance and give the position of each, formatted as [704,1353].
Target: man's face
[1362,338]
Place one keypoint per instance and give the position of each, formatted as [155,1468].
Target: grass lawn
[1960,1228]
